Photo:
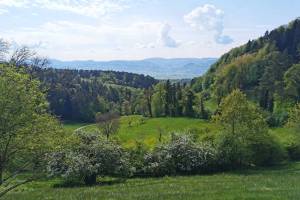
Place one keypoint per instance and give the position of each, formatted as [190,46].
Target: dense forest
[266,69]
[78,95]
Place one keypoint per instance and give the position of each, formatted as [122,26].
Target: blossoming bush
[181,155]
[92,156]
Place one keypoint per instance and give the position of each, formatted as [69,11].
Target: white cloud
[66,39]
[209,18]
[90,8]
[3,11]
[165,38]
[14,3]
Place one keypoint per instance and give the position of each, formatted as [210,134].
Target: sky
[138,29]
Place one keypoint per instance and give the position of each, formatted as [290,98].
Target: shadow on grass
[287,167]
[284,168]
[77,184]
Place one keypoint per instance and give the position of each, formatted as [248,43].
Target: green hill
[266,69]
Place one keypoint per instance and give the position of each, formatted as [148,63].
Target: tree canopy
[27,131]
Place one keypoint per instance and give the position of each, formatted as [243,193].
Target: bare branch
[21,56]
[108,123]
[40,62]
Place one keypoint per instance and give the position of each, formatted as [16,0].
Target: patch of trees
[173,100]
[78,95]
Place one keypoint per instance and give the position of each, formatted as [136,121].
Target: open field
[149,130]
[273,183]
[71,126]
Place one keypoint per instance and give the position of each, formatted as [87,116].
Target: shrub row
[96,156]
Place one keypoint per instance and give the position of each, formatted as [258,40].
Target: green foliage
[158,100]
[294,117]
[264,69]
[238,116]
[292,82]
[244,139]
[77,95]
[136,157]
[27,131]
[174,100]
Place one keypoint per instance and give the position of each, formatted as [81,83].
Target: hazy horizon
[138,59]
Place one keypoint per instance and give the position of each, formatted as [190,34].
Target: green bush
[277,119]
[136,157]
[293,150]
[267,151]
[259,150]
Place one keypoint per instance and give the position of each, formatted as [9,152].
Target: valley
[147,117]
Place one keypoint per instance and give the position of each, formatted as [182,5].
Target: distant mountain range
[160,68]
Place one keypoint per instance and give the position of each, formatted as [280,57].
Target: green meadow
[279,183]
[135,128]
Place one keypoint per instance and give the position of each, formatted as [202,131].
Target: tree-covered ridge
[266,69]
[80,94]
[285,39]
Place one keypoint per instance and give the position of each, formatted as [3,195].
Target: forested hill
[79,94]
[267,69]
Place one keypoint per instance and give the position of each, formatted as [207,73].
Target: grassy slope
[71,126]
[274,183]
[148,132]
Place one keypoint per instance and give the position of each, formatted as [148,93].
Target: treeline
[173,100]
[266,69]
[78,95]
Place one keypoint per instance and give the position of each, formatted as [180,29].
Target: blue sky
[137,29]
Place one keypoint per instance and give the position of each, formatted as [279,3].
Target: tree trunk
[90,179]
[150,108]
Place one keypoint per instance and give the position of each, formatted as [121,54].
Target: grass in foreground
[265,184]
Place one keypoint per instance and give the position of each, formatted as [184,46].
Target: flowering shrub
[92,156]
[181,156]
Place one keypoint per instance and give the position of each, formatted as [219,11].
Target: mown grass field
[148,131]
[280,183]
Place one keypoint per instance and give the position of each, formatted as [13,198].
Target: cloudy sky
[137,29]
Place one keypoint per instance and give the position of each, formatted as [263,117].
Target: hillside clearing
[133,128]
